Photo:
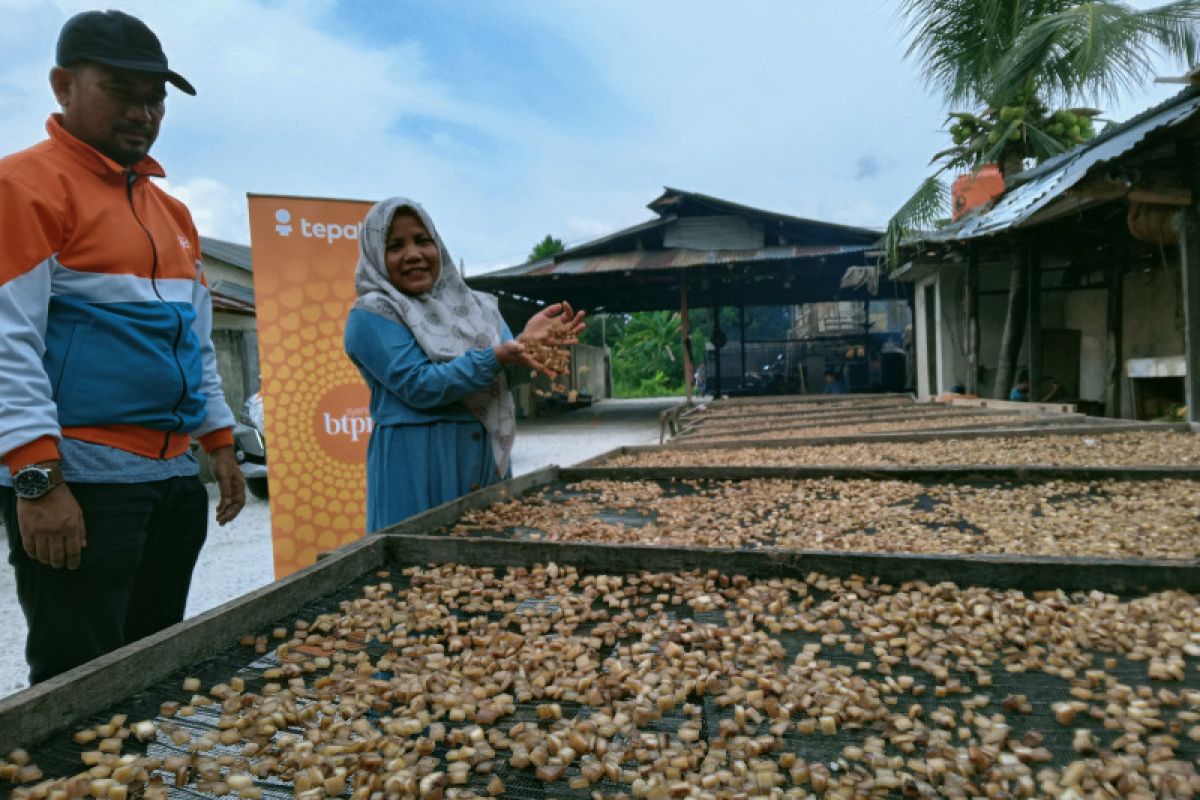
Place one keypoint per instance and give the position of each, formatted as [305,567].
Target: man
[107,366]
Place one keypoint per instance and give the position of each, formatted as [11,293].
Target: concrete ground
[237,558]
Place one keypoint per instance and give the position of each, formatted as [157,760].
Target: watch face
[31,483]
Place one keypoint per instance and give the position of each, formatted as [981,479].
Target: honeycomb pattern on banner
[315,402]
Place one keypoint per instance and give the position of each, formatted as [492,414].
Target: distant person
[1055,392]
[107,366]
[432,352]
[1020,391]
[833,383]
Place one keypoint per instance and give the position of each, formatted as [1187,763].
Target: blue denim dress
[426,448]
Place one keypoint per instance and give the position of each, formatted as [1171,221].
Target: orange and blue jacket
[105,316]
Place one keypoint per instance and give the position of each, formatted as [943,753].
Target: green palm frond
[1099,49]
[1042,144]
[959,43]
[920,212]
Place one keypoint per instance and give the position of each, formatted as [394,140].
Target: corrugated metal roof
[230,252]
[234,290]
[669,259]
[1039,187]
[223,302]
[638,260]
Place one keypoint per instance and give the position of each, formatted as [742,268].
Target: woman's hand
[513,354]
[569,324]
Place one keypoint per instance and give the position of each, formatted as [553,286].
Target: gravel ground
[237,558]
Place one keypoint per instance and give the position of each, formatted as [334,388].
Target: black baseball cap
[115,39]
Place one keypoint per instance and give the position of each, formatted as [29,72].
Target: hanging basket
[1154,223]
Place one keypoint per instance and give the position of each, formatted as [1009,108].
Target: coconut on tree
[1025,70]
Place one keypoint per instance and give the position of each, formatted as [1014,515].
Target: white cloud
[217,210]
[771,106]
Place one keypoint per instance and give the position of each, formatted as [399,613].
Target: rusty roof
[799,260]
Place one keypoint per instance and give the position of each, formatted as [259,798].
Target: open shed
[700,252]
[1096,252]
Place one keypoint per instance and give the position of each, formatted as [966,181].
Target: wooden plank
[816,399]
[448,513]
[1165,196]
[1027,573]
[55,704]
[1014,405]
[911,437]
[936,472]
[700,433]
[769,412]
[1073,424]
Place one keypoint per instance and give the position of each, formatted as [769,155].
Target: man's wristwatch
[36,480]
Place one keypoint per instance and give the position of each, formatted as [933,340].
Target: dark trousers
[143,540]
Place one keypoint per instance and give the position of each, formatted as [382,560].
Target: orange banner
[316,404]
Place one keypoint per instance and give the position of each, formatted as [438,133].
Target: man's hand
[52,528]
[229,481]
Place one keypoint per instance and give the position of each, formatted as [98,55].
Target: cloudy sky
[510,120]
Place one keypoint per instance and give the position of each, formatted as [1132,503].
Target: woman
[432,352]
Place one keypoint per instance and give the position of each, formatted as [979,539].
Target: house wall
[1153,324]
[590,371]
[218,270]
[952,341]
[1086,311]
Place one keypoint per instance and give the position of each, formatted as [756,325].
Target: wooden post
[971,306]
[1115,319]
[1033,320]
[1189,258]
[687,339]
[1014,325]
[718,342]
[866,344]
[742,341]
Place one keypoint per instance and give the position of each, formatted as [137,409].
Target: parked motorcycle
[250,447]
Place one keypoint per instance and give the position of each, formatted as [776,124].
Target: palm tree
[1013,59]
[651,340]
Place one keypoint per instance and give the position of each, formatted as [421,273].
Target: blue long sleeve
[388,354]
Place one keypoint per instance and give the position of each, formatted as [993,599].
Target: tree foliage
[547,247]
[1013,60]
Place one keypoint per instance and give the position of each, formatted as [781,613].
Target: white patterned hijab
[447,321]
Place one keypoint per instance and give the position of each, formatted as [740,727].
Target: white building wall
[1086,311]
[952,335]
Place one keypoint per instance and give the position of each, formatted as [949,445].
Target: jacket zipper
[130,179]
